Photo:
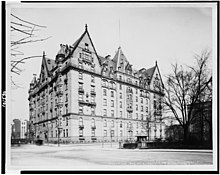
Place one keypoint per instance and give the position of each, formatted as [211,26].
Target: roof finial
[43,53]
[86,26]
[156,62]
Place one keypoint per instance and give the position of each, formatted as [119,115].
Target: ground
[107,156]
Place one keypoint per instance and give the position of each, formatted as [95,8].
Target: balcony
[81,90]
[81,126]
[87,103]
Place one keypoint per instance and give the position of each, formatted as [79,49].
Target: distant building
[201,126]
[19,129]
[81,96]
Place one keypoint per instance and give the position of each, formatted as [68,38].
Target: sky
[146,33]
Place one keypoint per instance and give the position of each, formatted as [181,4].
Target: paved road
[99,156]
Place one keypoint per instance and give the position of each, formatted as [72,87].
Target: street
[93,156]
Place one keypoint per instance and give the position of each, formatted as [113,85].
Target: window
[92,79]
[56,133]
[120,96]
[155,104]
[112,103]
[66,121]
[86,46]
[93,111]
[66,97]
[92,99]
[120,104]
[80,121]
[105,133]
[120,77]
[142,108]
[92,88]
[112,124]
[80,65]
[66,132]
[121,133]
[136,99]
[80,75]
[93,133]
[146,101]
[141,100]
[112,133]
[93,122]
[104,92]
[120,124]
[51,133]
[112,93]
[105,123]
[120,86]
[104,112]
[120,114]
[142,117]
[112,113]
[136,91]
[137,125]
[80,96]
[146,109]
[104,102]
[80,109]
[136,107]
[136,115]
[81,133]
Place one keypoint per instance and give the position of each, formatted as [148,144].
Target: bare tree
[185,88]
[22,32]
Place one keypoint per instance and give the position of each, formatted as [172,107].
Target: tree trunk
[186,134]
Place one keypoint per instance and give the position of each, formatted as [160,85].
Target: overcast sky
[166,34]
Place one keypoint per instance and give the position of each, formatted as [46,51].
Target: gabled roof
[120,60]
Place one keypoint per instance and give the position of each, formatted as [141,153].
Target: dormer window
[86,46]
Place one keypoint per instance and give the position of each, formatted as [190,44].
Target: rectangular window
[112,133]
[92,79]
[104,112]
[92,88]
[120,96]
[80,85]
[141,100]
[136,107]
[112,113]
[92,99]
[66,121]
[120,114]
[136,91]
[52,134]
[112,103]
[142,117]
[146,109]
[93,133]
[113,124]
[136,115]
[66,108]
[104,92]
[80,96]
[142,108]
[105,133]
[112,93]
[66,132]
[80,75]
[136,99]
[120,86]
[81,133]
[120,104]
[121,133]
[104,102]
[105,123]
[120,124]
[80,109]
[155,104]
[66,97]
[120,77]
